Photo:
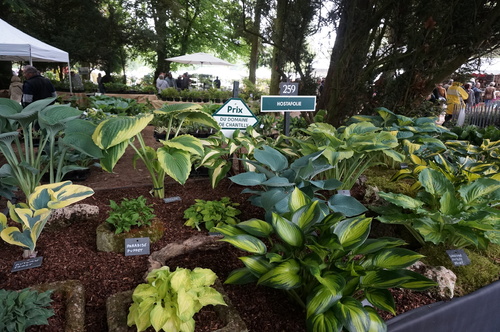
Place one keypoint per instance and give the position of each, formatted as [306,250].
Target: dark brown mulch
[70,253]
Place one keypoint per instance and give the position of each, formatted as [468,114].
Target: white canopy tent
[15,45]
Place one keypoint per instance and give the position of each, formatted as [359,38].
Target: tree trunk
[255,41]
[277,60]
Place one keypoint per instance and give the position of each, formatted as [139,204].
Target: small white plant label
[458,257]
[27,264]
[137,246]
[344,192]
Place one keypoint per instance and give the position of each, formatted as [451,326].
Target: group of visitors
[165,81]
[35,87]
[457,95]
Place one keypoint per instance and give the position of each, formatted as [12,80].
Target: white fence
[481,115]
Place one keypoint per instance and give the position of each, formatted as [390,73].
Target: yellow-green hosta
[36,212]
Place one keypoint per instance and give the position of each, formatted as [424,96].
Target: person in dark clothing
[105,79]
[35,86]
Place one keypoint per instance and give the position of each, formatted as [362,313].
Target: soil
[70,253]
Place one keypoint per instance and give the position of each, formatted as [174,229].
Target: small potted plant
[130,219]
[170,94]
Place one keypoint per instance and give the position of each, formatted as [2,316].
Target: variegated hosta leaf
[383,279]
[307,216]
[416,281]
[288,231]
[326,322]
[112,155]
[284,276]
[325,295]
[449,204]
[176,163]
[256,227]
[241,277]
[377,324]
[113,131]
[480,188]
[402,200]
[373,245]
[434,182]
[353,232]
[382,299]
[298,199]
[352,314]
[13,236]
[187,143]
[58,195]
[218,171]
[394,258]
[258,265]
[247,243]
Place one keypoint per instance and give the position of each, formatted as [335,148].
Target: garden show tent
[15,45]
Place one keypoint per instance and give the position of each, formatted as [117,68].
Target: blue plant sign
[458,257]
[137,246]
[27,264]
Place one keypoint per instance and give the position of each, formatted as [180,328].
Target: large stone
[73,214]
[117,307]
[445,278]
[74,293]
[108,241]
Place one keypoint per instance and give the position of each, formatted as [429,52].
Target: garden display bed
[70,253]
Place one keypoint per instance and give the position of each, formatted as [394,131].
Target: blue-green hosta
[441,213]
[326,263]
[274,180]
[169,300]
[36,212]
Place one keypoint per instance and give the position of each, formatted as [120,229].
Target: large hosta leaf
[479,189]
[325,295]
[326,322]
[248,179]
[352,314]
[176,163]
[347,205]
[382,299]
[187,143]
[284,276]
[258,265]
[394,258]
[256,227]
[402,200]
[241,276]
[113,131]
[353,232]
[435,182]
[288,231]
[247,243]
[272,158]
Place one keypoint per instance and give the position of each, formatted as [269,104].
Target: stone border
[74,294]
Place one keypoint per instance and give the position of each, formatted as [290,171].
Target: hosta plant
[326,263]
[274,180]
[22,309]
[441,213]
[130,213]
[173,158]
[33,215]
[212,213]
[169,300]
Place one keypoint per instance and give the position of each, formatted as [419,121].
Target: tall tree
[391,53]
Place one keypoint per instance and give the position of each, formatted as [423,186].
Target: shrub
[212,213]
[130,212]
[20,310]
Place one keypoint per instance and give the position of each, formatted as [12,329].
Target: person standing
[489,93]
[456,96]
[35,86]
[186,81]
[161,84]
[16,89]
[217,82]
[477,93]
[471,101]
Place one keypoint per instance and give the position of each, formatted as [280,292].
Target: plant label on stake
[137,246]
[27,264]
[458,257]
[344,192]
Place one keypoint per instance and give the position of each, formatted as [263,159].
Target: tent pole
[69,75]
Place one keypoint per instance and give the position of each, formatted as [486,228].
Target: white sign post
[234,114]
